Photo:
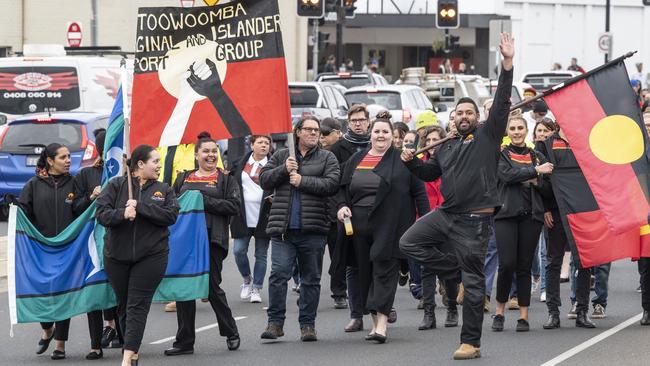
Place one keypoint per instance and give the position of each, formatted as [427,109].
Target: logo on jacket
[158,196]
[468,139]
[69,198]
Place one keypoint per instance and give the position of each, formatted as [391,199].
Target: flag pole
[126,112]
[547,92]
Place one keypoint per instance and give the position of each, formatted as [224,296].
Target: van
[46,79]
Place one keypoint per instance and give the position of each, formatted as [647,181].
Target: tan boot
[486,305]
[461,294]
[513,304]
[170,307]
[467,352]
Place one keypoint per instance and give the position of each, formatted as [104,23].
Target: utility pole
[340,20]
[607,6]
[93,24]
[315,49]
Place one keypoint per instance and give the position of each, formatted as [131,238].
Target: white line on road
[590,342]
[198,330]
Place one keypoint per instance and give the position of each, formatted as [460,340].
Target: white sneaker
[542,297]
[246,291]
[256,298]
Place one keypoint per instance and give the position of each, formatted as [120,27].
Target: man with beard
[456,235]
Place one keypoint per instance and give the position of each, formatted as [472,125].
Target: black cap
[540,106]
[328,124]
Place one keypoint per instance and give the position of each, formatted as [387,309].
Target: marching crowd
[474,207]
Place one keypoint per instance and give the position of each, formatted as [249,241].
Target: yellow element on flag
[211,2]
[616,139]
[645,230]
[184,159]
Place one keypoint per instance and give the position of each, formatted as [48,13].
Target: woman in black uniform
[136,253]
[87,186]
[222,201]
[47,202]
[519,222]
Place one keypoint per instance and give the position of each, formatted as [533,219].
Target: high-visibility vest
[176,159]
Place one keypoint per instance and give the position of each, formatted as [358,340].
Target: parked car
[319,99]
[404,102]
[23,140]
[542,81]
[351,79]
[520,91]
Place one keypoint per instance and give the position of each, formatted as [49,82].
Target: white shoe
[256,298]
[246,291]
[542,297]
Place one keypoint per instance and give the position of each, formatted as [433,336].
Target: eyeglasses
[311,129]
[327,133]
[358,121]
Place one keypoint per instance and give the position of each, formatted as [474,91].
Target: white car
[318,99]
[404,102]
[349,79]
[544,80]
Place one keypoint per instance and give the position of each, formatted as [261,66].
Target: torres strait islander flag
[219,69]
[604,198]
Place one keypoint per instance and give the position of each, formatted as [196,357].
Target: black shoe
[403,279]
[116,343]
[355,325]
[645,319]
[176,351]
[553,321]
[392,316]
[369,336]
[95,355]
[583,321]
[340,302]
[452,318]
[233,342]
[522,325]
[43,344]
[308,333]
[134,362]
[497,323]
[429,319]
[376,337]
[272,331]
[108,335]
[58,355]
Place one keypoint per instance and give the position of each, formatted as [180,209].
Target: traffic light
[330,6]
[350,8]
[447,16]
[454,42]
[646,2]
[323,40]
[311,8]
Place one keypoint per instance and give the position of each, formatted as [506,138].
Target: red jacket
[433,192]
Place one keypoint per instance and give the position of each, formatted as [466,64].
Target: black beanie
[100,136]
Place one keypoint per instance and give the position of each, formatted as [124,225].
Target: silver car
[319,99]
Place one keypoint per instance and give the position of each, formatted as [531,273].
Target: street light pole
[93,24]
[340,19]
[315,49]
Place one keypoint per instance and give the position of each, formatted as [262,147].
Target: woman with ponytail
[47,201]
[221,199]
[136,252]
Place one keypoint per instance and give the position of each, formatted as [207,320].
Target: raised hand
[507,46]
[204,77]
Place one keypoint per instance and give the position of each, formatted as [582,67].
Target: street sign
[74,34]
[605,42]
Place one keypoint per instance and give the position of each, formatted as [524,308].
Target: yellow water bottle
[348,226]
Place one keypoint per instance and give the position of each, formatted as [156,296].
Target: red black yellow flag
[219,69]
[605,196]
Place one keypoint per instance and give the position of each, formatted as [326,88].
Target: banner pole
[126,112]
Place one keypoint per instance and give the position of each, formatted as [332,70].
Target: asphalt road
[406,345]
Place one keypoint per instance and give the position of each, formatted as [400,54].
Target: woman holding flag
[87,186]
[137,211]
[47,201]
[222,201]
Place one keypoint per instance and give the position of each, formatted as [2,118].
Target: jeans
[416,282]
[241,258]
[491,264]
[308,249]
[446,242]
[602,284]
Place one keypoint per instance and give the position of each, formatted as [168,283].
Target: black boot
[429,319]
[583,321]
[553,321]
[645,319]
[452,318]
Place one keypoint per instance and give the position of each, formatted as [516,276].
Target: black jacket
[511,190]
[47,202]
[148,234]
[84,185]
[394,210]
[344,149]
[320,178]
[468,166]
[238,226]
[220,202]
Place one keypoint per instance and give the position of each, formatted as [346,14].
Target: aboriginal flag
[603,194]
[219,69]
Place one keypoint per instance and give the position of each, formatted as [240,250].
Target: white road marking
[198,330]
[590,342]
